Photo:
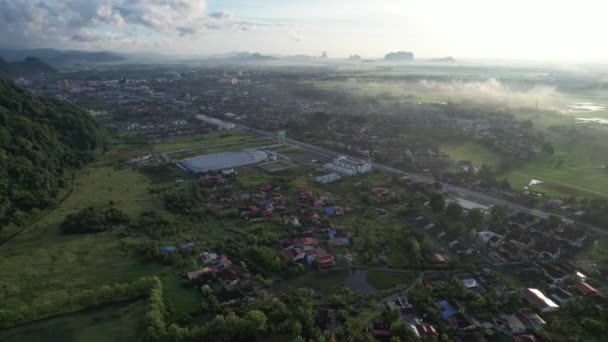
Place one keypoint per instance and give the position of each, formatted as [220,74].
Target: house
[292,221]
[540,300]
[511,323]
[305,241]
[436,258]
[559,294]
[208,258]
[554,273]
[470,283]
[324,259]
[424,329]
[186,246]
[168,249]
[340,240]
[524,338]
[381,193]
[294,254]
[328,178]
[533,320]
[329,211]
[286,244]
[222,262]
[192,275]
[586,289]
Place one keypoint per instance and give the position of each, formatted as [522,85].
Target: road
[481,198]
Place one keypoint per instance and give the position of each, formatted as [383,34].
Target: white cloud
[72,23]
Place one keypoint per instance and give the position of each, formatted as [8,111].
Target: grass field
[386,280]
[119,322]
[43,265]
[324,282]
[471,151]
[201,140]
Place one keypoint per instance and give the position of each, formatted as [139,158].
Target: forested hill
[41,140]
[28,67]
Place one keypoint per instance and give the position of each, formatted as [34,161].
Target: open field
[201,140]
[471,151]
[119,322]
[386,280]
[43,265]
[324,282]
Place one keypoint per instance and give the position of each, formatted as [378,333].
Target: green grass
[599,250]
[325,282]
[574,169]
[201,140]
[118,322]
[473,152]
[42,264]
[386,280]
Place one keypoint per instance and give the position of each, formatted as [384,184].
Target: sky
[552,30]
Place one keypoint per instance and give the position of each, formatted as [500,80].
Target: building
[540,300]
[329,178]
[586,289]
[348,167]
[223,160]
[219,124]
[512,324]
[530,318]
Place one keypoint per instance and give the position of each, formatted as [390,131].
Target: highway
[455,191]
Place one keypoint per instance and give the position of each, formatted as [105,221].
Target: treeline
[262,316]
[93,220]
[40,141]
[82,300]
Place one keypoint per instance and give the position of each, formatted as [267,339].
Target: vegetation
[41,140]
[93,220]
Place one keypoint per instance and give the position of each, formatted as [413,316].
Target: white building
[329,178]
[348,167]
[221,125]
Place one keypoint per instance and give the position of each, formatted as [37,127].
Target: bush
[93,220]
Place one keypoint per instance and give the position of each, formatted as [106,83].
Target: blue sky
[515,29]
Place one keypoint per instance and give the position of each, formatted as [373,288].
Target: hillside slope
[30,66]
[40,140]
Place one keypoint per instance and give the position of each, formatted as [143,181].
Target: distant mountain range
[30,66]
[60,58]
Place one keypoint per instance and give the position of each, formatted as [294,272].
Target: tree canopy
[40,140]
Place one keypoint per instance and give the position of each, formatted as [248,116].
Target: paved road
[482,198]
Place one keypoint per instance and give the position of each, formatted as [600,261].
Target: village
[509,274]
[281,212]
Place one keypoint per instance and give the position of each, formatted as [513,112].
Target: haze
[538,30]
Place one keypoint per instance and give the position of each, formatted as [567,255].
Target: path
[49,211]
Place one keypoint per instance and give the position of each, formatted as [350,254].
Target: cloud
[296,37]
[490,89]
[69,23]
[221,15]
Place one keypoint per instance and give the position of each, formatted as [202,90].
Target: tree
[454,211]
[437,202]
[413,247]
[427,244]
[554,221]
[475,218]
[548,148]
[499,213]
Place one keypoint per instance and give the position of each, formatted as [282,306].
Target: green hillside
[40,141]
